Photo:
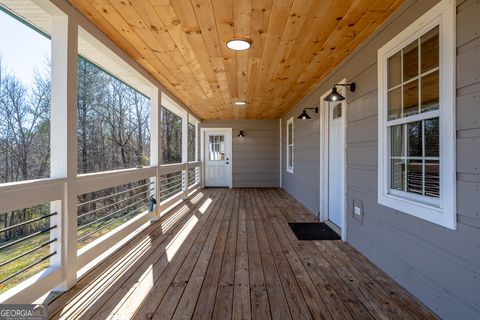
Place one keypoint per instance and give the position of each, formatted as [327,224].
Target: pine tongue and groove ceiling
[295,43]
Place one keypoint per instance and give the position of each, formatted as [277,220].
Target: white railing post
[155,144]
[63,143]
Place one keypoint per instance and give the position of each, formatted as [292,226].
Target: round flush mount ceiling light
[238,44]
[240,103]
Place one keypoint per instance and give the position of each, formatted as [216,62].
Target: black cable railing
[170,184]
[110,214]
[83,237]
[30,266]
[30,236]
[28,253]
[113,211]
[170,180]
[112,204]
[114,194]
[164,190]
[164,196]
[21,224]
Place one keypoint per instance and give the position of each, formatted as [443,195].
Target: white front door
[217,158]
[336,154]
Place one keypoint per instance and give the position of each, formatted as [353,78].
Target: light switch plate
[358,210]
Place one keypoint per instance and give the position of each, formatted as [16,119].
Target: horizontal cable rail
[112,204]
[176,186]
[115,194]
[162,183]
[109,211]
[8,245]
[27,222]
[28,246]
[166,196]
[4,263]
[171,178]
[28,253]
[28,267]
[164,189]
[105,226]
[111,214]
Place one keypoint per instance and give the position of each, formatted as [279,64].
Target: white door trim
[202,153]
[324,138]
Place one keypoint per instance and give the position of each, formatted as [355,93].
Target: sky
[22,49]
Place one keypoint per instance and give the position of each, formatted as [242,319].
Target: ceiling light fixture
[305,116]
[240,103]
[335,96]
[238,44]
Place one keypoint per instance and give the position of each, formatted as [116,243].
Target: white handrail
[14,196]
[96,181]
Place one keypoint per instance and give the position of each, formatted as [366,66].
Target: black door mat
[313,231]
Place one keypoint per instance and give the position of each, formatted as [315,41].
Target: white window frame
[443,211]
[292,144]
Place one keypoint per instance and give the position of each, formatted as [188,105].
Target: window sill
[445,217]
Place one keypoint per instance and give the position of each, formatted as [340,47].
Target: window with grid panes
[290,148]
[416,133]
[413,117]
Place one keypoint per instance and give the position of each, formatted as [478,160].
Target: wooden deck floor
[229,254]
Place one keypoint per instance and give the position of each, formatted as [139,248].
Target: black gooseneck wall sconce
[335,96]
[241,135]
[304,115]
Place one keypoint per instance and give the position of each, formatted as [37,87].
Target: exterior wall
[255,156]
[439,266]
[303,183]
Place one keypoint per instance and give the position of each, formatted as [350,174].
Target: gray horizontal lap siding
[439,266]
[255,156]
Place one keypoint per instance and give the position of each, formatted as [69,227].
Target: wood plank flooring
[230,254]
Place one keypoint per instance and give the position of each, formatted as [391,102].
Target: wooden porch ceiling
[295,43]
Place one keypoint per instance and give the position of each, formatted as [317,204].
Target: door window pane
[216,148]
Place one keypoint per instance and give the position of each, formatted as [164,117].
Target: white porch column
[64,142]
[155,145]
[185,154]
